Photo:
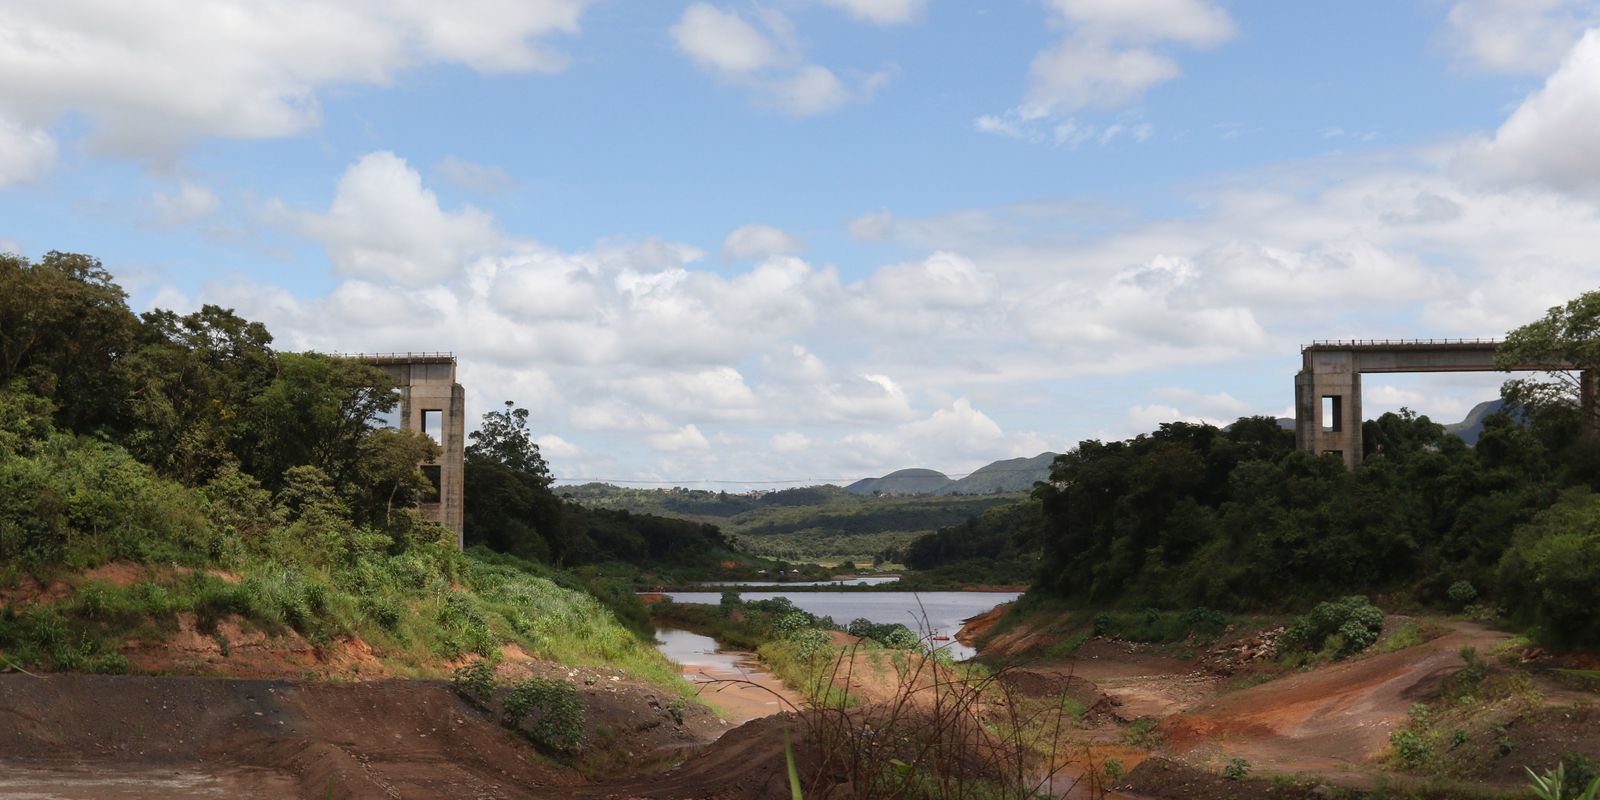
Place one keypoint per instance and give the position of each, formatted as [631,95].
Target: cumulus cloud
[760,52]
[552,446]
[1526,36]
[1551,137]
[757,241]
[688,437]
[881,12]
[150,77]
[1113,51]
[384,225]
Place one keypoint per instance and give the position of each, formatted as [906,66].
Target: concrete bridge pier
[1327,399]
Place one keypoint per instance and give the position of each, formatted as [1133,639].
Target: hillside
[1007,475]
[811,523]
[905,481]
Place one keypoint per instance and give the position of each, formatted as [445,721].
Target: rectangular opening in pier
[433,424]
[1332,411]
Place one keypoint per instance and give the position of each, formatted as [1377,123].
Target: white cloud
[553,446]
[1554,135]
[153,76]
[688,437]
[764,57]
[723,41]
[25,152]
[384,225]
[1109,57]
[1525,36]
[882,12]
[759,241]
[470,176]
[189,203]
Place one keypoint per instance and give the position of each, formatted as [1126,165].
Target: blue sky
[823,239]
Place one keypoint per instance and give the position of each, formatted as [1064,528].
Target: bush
[475,681]
[1344,628]
[558,716]
[1461,594]
[1410,748]
[1236,770]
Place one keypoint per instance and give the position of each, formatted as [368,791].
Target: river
[935,613]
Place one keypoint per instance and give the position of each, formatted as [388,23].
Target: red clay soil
[1329,721]
[89,737]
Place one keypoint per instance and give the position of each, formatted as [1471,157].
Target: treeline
[999,546]
[190,438]
[1192,515]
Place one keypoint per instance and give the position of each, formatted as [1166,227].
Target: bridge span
[1327,390]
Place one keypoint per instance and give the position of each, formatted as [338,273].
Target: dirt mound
[1331,719]
[747,763]
[194,737]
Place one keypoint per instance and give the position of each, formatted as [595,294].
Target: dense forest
[1192,515]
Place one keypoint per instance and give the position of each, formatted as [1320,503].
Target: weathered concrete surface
[427,383]
[1333,370]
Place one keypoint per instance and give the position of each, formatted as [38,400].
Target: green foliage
[557,715]
[1113,769]
[79,502]
[1553,785]
[1141,732]
[1344,628]
[1236,769]
[1566,335]
[503,439]
[809,523]
[475,681]
[1548,575]
[1461,594]
[1410,748]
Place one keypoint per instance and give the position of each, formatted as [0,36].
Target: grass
[415,616]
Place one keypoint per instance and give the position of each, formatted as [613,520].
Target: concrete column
[1329,375]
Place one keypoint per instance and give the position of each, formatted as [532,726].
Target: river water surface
[927,613]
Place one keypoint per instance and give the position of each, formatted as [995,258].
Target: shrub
[558,716]
[1410,748]
[475,681]
[1114,769]
[1344,627]
[1236,770]
[1461,594]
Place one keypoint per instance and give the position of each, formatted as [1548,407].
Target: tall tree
[64,329]
[1565,345]
[316,412]
[504,439]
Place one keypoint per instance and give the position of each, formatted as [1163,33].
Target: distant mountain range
[1009,475]
[1019,474]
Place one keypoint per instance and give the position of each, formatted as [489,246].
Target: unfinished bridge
[1327,390]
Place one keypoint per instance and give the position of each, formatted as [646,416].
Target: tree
[316,412]
[64,328]
[389,474]
[191,382]
[504,439]
[1565,347]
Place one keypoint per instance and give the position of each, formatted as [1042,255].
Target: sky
[730,244]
